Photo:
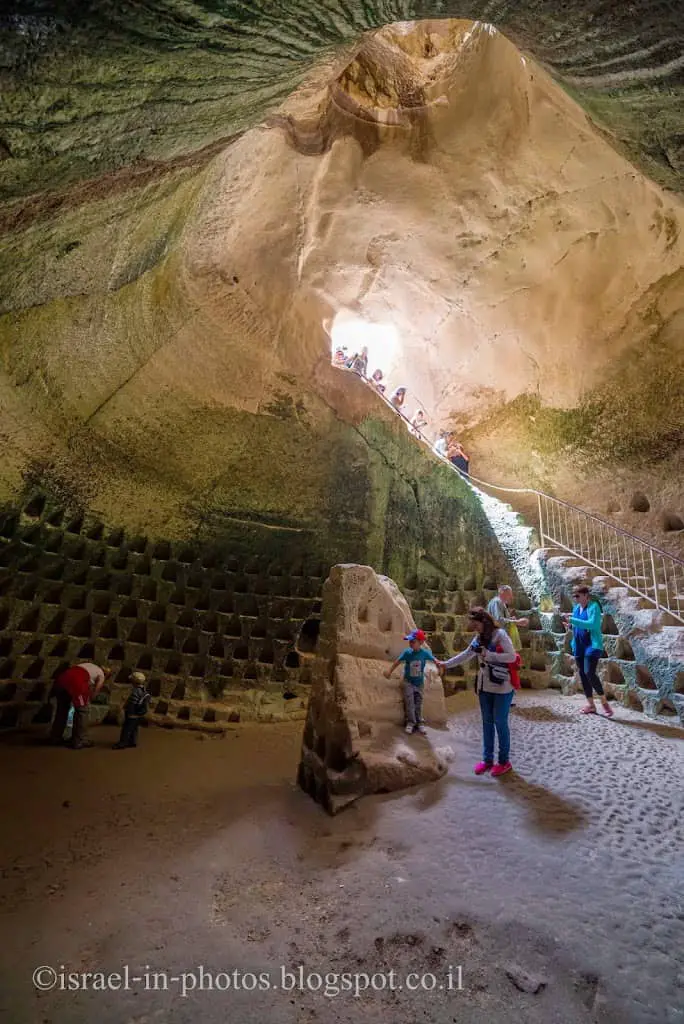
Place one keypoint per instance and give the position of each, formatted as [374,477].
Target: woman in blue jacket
[587,647]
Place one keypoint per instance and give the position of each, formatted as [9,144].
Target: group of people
[76,687]
[358,363]
[496,645]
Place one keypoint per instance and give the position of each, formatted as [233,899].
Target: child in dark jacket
[135,710]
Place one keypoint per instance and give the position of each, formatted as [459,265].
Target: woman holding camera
[495,655]
[587,647]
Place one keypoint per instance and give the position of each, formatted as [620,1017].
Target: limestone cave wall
[179,227]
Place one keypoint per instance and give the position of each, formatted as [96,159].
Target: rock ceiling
[189,194]
[95,88]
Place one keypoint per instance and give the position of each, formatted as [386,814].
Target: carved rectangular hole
[109,630]
[30,621]
[53,543]
[101,604]
[9,718]
[644,678]
[138,635]
[216,648]
[166,639]
[43,715]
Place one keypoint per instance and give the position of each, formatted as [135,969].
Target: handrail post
[541,522]
[655,582]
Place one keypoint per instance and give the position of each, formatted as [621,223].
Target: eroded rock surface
[165,360]
[353,744]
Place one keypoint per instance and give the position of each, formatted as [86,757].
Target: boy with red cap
[76,685]
[414,659]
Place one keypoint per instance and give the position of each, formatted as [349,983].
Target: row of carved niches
[452,596]
[190,617]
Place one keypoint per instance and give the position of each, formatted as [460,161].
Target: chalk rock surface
[353,743]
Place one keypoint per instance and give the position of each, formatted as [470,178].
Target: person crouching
[76,686]
[135,710]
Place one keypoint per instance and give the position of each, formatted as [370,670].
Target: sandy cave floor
[200,851]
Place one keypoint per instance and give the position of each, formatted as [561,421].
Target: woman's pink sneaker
[501,769]
[482,766]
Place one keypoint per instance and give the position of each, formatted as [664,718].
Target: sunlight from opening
[353,334]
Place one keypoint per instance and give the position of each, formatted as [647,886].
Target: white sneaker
[421,729]
[409,728]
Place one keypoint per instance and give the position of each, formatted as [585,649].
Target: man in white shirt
[441,444]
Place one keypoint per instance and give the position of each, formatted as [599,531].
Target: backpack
[513,668]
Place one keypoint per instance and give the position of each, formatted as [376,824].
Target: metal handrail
[653,574]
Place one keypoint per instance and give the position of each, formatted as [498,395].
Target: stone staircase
[644,669]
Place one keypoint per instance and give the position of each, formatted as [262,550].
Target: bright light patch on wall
[353,333]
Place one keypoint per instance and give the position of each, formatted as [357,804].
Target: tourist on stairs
[587,647]
[496,657]
[76,685]
[417,423]
[441,444]
[359,363]
[398,397]
[376,381]
[458,458]
[498,608]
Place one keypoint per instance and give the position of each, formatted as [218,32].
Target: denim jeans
[495,708]
[586,665]
[129,731]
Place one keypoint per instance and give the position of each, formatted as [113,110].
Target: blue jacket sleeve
[592,622]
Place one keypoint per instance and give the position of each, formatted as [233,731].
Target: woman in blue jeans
[587,647]
[494,651]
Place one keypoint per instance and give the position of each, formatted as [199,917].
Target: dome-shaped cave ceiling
[193,197]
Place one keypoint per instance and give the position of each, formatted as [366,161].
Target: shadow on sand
[549,814]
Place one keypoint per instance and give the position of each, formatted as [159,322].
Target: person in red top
[76,686]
